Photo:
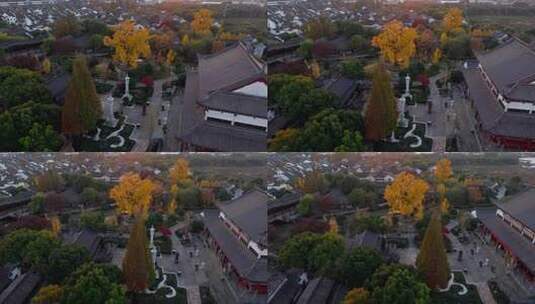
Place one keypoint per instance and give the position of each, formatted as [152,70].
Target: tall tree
[82,108]
[137,263]
[443,170]
[180,171]
[130,43]
[432,261]
[405,195]
[397,43]
[381,112]
[453,20]
[202,21]
[133,194]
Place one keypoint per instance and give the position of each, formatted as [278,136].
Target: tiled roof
[522,207]
[225,68]
[249,212]
[245,262]
[509,66]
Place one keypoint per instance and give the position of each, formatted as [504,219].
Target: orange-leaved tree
[202,21]
[137,263]
[406,194]
[432,261]
[397,43]
[82,108]
[133,194]
[443,170]
[179,172]
[453,20]
[381,110]
[130,43]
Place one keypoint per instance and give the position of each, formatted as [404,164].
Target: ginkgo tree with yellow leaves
[406,195]
[443,173]
[453,20]
[179,172]
[202,21]
[397,43]
[133,194]
[130,43]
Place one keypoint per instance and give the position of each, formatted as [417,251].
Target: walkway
[149,128]
[193,294]
[437,129]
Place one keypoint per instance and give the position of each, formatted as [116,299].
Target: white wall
[233,118]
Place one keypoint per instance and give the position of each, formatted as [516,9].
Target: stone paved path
[194,295]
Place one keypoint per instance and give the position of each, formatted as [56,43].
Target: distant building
[225,103]
[237,232]
[501,88]
[511,228]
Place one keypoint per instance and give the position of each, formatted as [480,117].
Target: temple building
[501,88]
[237,232]
[225,102]
[511,228]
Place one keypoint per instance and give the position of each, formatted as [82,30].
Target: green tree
[351,142]
[306,103]
[358,265]
[381,112]
[93,284]
[41,138]
[23,124]
[93,221]
[305,204]
[18,86]
[397,284]
[90,196]
[82,108]
[189,197]
[30,248]
[64,260]
[295,252]
[37,204]
[362,198]
[372,223]
[322,132]
[305,49]
[137,264]
[284,89]
[325,254]
[352,69]
[432,261]
[359,43]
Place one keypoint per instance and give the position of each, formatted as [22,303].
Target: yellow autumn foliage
[202,21]
[397,43]
[130,43]
[406,194]
[133,194]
